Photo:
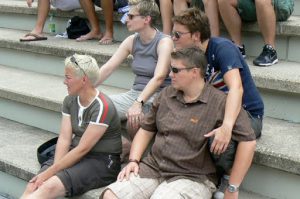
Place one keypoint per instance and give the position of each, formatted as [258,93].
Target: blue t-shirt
[222,55]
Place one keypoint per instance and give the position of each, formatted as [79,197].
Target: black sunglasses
[177,34]
[177,70]
[131,16]
[73,59]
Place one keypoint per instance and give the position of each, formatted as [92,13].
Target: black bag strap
[46,150]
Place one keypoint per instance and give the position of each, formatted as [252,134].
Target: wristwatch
[140,101]
[232,188]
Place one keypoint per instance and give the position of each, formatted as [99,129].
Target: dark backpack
[78,26]
[46,150]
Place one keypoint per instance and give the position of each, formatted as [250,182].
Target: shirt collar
[203,97]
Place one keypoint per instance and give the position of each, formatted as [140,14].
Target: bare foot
[106,40]
[90,36]
[29,3]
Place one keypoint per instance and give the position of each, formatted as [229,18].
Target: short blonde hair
[83,65]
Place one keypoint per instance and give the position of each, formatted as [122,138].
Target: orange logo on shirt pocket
[194,120]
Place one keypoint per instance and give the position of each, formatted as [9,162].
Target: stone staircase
[31,94]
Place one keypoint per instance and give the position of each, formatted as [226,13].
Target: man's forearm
[242,162]
[139,144]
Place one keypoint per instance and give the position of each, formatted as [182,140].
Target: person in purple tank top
[151,51]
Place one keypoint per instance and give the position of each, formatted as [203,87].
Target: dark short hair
[148,8]
[195,20]
[192,57]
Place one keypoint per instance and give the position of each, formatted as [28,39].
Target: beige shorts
[144,188]
[124,101]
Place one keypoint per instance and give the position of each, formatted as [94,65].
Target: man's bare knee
[108,194]
[47,188]
[53,187]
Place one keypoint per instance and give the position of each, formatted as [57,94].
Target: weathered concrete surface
[279,146]
[284,76]
[40,90]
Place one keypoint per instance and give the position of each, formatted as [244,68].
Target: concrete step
[279,86]
[48,56]
[276,171]
[276,83]
[16,15]
[296,8]
[35,99]
[18,162]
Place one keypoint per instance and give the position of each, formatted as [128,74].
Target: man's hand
[229,195]
[134,115]
[221,139]
[130,167]
[29,3]
[39,179]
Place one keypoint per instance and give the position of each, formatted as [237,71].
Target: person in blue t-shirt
[228,71]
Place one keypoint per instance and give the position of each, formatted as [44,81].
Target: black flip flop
[35,37]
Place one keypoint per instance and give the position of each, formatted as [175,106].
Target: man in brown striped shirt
[179,164]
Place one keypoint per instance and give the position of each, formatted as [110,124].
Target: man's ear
[85,79]
[196,36]
[148,19]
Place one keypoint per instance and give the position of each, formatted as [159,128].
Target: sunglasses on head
[177,34]
[73,59]
[131,16]
[177,70]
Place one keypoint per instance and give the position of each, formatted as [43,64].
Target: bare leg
[28,190]
[180,5]
[166,10]
[108,9]
[266,20]
[212,12]
[231,19]
[43,10]
[52,188]
[89,10]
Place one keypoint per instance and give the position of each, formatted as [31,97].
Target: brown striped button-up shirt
[180,149]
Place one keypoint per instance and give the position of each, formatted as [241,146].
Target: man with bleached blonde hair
[87,154]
